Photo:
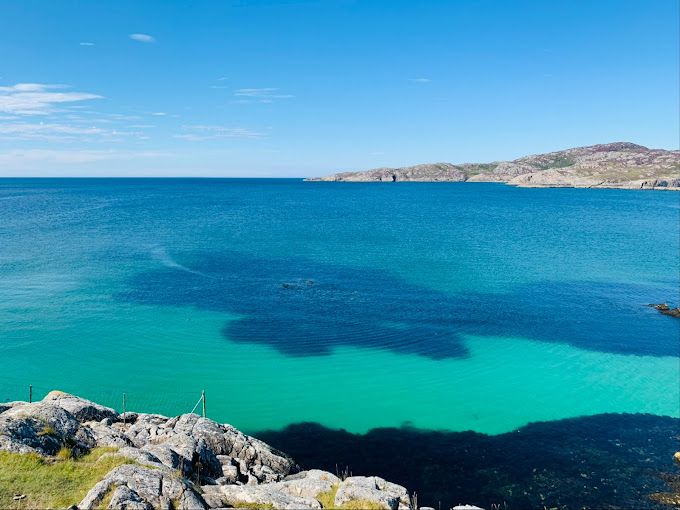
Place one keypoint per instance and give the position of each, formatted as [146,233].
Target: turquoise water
[444,306]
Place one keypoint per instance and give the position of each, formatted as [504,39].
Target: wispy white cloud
[60,132]
[260,95]
[198,133]
[420,80]
[159,114]
[37,98]
[145,38]
[26,158]
[87,43]
[29,87]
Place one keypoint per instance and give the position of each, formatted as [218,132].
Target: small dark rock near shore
[667,310]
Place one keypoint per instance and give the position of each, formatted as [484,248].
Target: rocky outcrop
[138,487]
[613,165]
[304,491]
[43,428]
[372,488]
[185,462]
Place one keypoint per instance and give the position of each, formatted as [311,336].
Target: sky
[277,88]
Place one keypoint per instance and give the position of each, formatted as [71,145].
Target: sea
[483,343]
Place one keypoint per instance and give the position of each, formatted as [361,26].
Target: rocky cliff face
[185,462]
[613,165]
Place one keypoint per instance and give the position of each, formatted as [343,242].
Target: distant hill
[612,165]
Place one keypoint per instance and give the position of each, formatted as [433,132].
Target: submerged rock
[667,310]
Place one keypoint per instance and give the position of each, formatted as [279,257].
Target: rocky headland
[185,462]
[613,165]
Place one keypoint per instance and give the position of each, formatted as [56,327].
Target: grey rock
[158,488]
[308,484]
[167,452]
[12,445]
[145,429]
[138,456]
[125,499]
[266,494]
[375,489]
[81,409]
[106,435]
[169,457]
[44,427]
[231,474]
[199,441]
[9,405]
[226,440]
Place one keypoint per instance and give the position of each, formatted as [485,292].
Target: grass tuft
[253,506]
[327,499]
[48,430]
[65,453]
[51,482]
[362,504]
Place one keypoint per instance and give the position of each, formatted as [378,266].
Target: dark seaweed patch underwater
[606,461]
[305,308]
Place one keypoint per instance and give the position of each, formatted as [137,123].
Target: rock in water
[667,310]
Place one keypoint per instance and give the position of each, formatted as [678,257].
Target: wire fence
[166,402]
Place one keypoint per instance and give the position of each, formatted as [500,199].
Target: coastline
[189,461]
[149,461]
[533,186]
[620,165]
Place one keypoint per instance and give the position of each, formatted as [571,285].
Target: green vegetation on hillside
[52,482]
[558,162]
[478,168]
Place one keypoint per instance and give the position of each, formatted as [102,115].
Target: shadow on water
[306,308]
[602,461]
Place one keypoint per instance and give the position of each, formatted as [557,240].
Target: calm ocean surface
[443,306]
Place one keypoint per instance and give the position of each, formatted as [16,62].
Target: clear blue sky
[296,88]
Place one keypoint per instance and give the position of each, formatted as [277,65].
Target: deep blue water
[449,306]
